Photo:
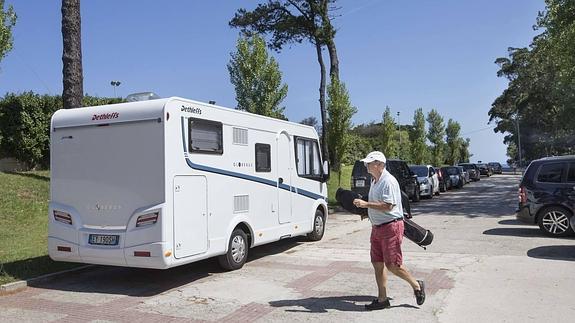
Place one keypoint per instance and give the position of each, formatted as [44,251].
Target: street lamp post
[399,133]
[115,84]
[518,139]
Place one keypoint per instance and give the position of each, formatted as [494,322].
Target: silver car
[466,175]
[428,179]
[456,176]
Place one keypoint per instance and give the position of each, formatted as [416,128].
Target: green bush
[25,125]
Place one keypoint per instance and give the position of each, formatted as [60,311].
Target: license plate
[360,183]
[100,239]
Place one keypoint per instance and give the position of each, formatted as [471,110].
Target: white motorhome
[161,183]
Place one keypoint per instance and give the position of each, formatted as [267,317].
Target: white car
[428,179]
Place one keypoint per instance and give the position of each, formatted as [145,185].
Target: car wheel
[416,195]
[554,221]
[430,191]
[318,227]
[237,253]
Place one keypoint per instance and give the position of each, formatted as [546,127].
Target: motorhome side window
[263,158]
[307,158]
[205,136]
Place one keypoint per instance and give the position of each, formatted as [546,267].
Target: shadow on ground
[566,253]
[515,232]
[512,222]
[140,282]
[491,197]
[32,267]
[31,175]
[323,304]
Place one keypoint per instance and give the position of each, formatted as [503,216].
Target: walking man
[386,215]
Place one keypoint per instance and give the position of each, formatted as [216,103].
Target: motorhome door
[283,162]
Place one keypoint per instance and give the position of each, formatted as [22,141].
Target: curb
[20,285]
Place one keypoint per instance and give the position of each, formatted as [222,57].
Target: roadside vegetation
[24,227]
[334,182]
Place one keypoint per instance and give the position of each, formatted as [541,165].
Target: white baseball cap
[373,156]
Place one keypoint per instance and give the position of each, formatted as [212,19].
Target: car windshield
[452,171]
[467,166]
[420,171]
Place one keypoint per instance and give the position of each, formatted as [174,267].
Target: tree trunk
[324,150]
[72,77]
[334,61]
[329,35]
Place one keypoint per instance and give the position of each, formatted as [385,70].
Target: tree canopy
[537,109]
[293,21]
[257,78]
[7,21]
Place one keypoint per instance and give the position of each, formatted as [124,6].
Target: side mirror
[325,176]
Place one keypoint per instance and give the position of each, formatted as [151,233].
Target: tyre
[237,253]
[554,221]
[416,197]
[318,227]
[430,192]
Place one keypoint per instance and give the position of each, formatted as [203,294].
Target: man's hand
[360,203]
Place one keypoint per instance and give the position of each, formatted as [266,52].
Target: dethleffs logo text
[191,109]
[105,116]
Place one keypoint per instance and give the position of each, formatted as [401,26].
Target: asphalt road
[483,266]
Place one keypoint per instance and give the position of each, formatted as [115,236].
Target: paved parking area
[482,266]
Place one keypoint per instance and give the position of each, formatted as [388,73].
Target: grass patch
[333,183]
[24,226]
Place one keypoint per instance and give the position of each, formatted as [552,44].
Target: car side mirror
[325,175]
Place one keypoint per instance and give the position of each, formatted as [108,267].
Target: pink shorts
[386,243]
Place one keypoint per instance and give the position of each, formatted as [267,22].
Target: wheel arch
[541,210]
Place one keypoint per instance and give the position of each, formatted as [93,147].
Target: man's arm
[381,206]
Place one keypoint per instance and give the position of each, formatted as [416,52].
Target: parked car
[484,170]
[444,181]
[428,179]
[473,171]
[547,195]
[497,168]
[465,173]
[454,175]
[361,179]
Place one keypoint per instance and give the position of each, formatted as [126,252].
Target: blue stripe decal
[254,179]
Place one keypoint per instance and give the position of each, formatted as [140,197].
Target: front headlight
[425,181]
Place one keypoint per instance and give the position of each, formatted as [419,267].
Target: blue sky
[402,54]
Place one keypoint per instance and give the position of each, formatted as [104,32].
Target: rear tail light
[142,254]
[62,217]
[522,195]
[147,219]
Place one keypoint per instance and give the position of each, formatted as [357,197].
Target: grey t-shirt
[387,190]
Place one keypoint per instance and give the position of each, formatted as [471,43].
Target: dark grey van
[361,179]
